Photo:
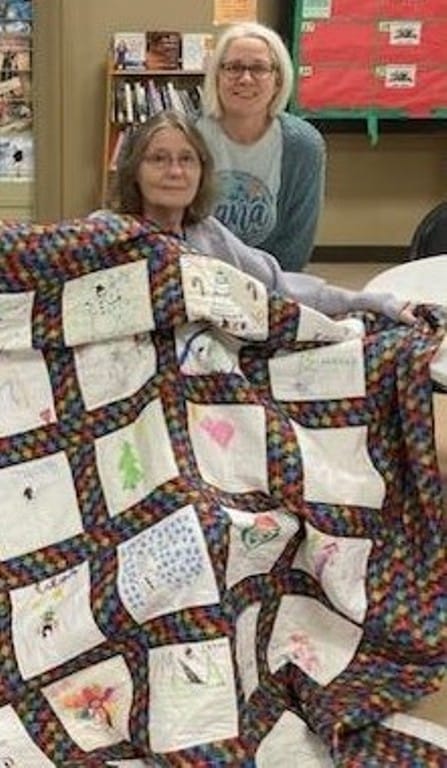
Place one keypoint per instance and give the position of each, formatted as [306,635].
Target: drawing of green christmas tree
[130,467]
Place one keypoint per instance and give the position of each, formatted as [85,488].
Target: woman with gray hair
[165,176]
[269,163]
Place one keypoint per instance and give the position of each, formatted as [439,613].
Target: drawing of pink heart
[218,429]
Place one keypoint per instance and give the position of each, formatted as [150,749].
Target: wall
[374,195]
[16,199]
[377,195]
[47,109]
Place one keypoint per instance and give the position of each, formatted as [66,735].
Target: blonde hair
[127,193]
[279,55]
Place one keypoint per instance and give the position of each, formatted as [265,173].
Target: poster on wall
[234,11]
[16,117]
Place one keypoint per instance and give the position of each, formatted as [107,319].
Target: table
[420,281]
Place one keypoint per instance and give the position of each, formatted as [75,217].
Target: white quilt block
[337,467]
[202,350]
[246,642]
[229,444]
[94,703]
[16,747]
[109,303]
[256,541]
[166,568]
[221,293]
[314,326]
[52,621]
[340,564]
[134,460]
[125,365]
[419,727]
[317,640]
[196,681]
[330,372]
[26,398]
[291,744]
[39,505]
[15,320]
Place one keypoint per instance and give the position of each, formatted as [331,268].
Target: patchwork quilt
[221,537]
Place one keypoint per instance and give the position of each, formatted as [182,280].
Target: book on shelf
[118,106]
[128,102]
[116,148]
[182,100]
[173,99]
[163,50]
[193,101]
[188,103]
[129,50]
[154,98]
[197,48]
[140,102]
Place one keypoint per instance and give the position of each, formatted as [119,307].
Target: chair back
[430,236]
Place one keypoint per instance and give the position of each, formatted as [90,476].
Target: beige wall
[16,199]
[377,195]
[374,195]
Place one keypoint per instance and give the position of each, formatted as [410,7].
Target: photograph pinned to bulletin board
[234,11]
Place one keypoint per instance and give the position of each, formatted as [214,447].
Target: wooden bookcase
[130,100]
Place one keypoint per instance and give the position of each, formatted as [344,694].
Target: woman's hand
[406,315]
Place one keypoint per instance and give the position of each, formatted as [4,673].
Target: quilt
[221,537]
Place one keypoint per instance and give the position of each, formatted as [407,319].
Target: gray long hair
[127,193]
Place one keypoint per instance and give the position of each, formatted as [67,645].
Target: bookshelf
[139,89]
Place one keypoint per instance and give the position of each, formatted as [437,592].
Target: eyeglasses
[162,161]
[233,70]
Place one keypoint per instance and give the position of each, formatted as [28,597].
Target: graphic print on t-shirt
[245,206]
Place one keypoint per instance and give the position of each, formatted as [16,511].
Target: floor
[355,276]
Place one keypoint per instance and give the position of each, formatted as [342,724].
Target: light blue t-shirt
[270,192]
[248,178]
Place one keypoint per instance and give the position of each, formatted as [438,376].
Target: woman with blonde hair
[269,163]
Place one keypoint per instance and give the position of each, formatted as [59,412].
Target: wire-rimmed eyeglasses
[233,70]
[162,161]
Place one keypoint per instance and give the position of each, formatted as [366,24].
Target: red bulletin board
[370,58]
[322,82]
[336,40]
[415,41]
[366,9]
[371,9]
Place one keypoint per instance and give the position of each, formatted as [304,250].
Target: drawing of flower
[92,703]
[265,528]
